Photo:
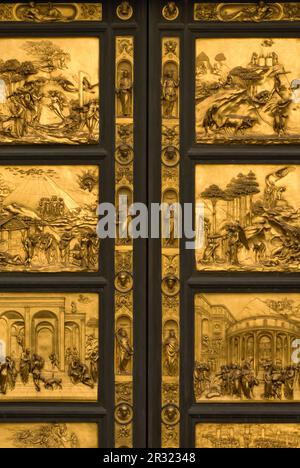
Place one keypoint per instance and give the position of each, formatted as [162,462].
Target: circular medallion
[170,415]
[123,282]
[123,413]
[170,285]
[170,11]
[124,154]
[170,156]
[124,11]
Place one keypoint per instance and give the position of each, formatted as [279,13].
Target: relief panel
[49,90]
[49,347]
[247,91]
[247,347]
[48,218]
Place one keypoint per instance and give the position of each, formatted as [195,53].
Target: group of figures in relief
[49,91]
[262,436]
[48,218]
[246,347]
[31,365]
[247,99]
[251,218]
[55,435]
[38,356]
[235,381]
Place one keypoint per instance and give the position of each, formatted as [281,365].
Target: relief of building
[246,354]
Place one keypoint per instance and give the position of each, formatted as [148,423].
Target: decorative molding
[124,11]
[124,172]
[170,285]
[170,11]
[254,12]
[50,12]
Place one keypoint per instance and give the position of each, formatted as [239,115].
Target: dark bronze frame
[148,26]
[102,282]
[192,281]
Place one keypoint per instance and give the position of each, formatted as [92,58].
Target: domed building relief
[246,347]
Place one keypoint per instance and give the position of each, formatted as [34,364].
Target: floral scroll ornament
[6,12]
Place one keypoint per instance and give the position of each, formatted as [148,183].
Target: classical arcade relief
[48,218]
[48,435]
[251,217]
[50,13]
[247,90]
[246,347]
[49,90]
[49,346]
[252,435]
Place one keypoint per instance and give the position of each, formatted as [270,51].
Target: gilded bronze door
[72,136]
[224,81]
[170,341]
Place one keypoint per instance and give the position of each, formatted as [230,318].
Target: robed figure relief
[49,91]
[247,347]
[247,90]
[251,217]
[171,354]
[124,93]
[170,87]
[124,351]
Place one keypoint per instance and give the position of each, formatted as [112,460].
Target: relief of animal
[53,383]
[259,248]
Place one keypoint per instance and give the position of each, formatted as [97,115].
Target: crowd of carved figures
[37,356]
[246,348]
[240,382]
[31,366]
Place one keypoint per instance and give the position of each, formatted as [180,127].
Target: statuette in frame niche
[124,349]
[49,91]
[49,345]
[171,349]
[124,90]
[247,98]
[247,348]
[48,218]
[170,87]
[251,219]
[247,435]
